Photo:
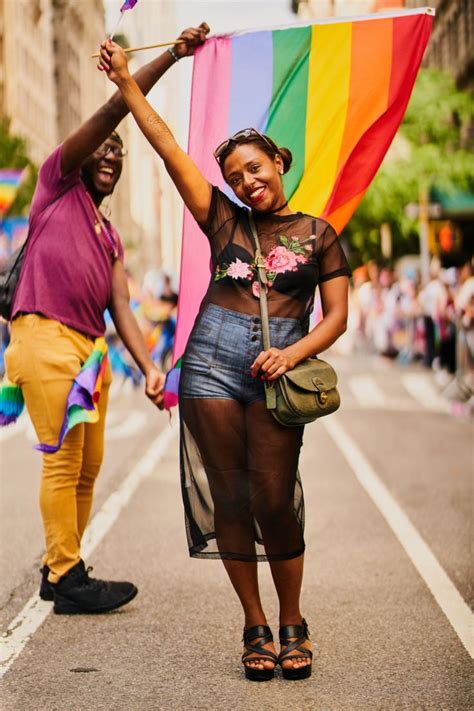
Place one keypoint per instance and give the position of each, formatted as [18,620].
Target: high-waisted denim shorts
[221,349]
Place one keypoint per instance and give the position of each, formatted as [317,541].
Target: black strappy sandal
[264,655]
[299,633]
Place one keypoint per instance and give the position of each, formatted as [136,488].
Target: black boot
[77,593]
[46,591]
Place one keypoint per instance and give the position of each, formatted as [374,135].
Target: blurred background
[409,243]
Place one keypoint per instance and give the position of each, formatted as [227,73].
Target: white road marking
[116,426]
[370,396]
[422,389]
[367,392]
[441,587]
[25,624]
[132,424]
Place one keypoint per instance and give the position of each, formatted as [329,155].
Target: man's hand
[154,384]
[194,37]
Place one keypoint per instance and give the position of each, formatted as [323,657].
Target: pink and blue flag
[128,5]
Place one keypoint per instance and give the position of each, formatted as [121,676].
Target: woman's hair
[263,143]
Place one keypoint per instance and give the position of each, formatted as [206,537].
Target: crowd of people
[394,315]
[154,305]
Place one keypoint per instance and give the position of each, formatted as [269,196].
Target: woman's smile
[257,194]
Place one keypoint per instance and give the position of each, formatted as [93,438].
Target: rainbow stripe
[12,403]
[82,401]
[333,92]
[10,180]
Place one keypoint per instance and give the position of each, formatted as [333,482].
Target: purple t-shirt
[67,271]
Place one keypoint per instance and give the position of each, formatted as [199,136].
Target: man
[73,270]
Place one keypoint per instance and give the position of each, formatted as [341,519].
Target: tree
[432,148]
[13,154]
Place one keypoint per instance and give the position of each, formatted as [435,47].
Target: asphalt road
[391,469]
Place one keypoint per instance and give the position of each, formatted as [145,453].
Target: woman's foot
[296,653]
[259,657]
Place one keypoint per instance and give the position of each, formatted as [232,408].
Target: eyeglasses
[245,133]
[107,148]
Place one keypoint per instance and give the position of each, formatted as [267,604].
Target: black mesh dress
[241,488]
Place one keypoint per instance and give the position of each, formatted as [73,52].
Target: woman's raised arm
[84,140]
[194,188]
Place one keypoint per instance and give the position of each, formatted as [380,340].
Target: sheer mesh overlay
[241,488]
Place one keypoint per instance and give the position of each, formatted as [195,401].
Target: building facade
[49,85]
[27,73]
[451,46]
[342,8]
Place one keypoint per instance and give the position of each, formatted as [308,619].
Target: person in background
[73,270]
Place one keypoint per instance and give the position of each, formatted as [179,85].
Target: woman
[73,270]
[248,506]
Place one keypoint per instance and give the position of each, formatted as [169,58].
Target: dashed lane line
[130,426]
[33,614]
[422,389]
[445,593]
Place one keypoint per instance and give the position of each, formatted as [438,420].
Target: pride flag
[334,92]
[10,180]
[82,403]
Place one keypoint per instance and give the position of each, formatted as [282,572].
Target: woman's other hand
[193,37]
[271,364]
[154,384]
[113,61]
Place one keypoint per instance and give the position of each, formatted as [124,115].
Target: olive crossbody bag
[306,392]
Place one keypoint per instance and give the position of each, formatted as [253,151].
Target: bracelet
[173,54]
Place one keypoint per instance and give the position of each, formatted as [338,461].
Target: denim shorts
[221,349]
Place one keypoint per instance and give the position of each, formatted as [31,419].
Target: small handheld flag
[128,5]
[10,181]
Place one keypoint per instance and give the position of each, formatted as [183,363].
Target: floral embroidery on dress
[282,258]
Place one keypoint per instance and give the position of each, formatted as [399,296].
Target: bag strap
[263,281]
[270,394]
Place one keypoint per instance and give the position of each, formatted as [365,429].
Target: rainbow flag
[334,92]
[12,402]
[82,401]
[10,180]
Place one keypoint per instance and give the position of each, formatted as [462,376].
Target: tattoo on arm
[157,123]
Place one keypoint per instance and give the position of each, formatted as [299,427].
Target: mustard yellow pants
[43,358]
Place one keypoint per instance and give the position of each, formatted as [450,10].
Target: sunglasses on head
[240,135]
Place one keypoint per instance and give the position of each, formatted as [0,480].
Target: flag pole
[112,34]
[146,46]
